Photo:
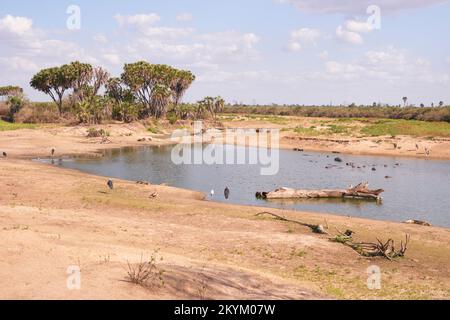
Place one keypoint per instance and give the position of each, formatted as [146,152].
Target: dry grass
[146,273]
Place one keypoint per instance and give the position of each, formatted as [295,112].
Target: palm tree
[405,99]
[182,81]
[160,98]
[219,104]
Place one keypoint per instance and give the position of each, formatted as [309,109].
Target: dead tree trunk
[361,191]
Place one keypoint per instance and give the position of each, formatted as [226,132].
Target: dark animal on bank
[53,152]
[4,154]
[226,193]
[110,184]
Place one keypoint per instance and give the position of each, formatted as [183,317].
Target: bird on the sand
[110,184]
[212,193]
[4,154]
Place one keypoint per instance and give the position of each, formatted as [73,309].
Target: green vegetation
[6,126]
[440,113]
[338,129]
[404,127]
[143,90]
[95,133]
[306,131]
[9,91]
[153,130]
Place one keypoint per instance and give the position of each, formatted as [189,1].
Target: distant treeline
[407,113]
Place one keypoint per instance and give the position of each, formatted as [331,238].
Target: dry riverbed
[52,218]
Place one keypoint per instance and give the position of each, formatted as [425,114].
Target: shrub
[96,133]
[15,104]
[126,111]
[172,117]
[146,273]
[41,112]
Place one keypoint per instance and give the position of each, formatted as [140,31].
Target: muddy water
[417,189]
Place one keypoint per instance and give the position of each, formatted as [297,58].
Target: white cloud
[100,38]
[145,24]
[185,17]
[138,20]
[348,36]
[18,64]
[390,65]
[15,25]
[358,26]
[360,6]
[303,37]
[323,55]
[167,32]
[352,30]
[112,58]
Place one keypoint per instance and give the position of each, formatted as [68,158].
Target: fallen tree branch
[314,227]
[365,249]
[369,249]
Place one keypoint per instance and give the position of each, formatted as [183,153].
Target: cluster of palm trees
[200,110]
[405,100]
[142,90]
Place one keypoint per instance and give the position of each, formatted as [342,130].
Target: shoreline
[197,238]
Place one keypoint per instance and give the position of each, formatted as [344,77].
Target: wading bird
[226,193]
[212,193]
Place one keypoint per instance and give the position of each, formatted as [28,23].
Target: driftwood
[361,191]
[369,249]
[419,222]
[314,227]
[366,249]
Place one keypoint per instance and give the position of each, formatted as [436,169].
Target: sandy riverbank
[51,218]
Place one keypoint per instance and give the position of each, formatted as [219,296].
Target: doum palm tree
[405,99]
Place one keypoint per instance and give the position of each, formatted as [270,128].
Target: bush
[172,117]
[41,112]
[93,110]
[96,133]
[15,104]
[126,111]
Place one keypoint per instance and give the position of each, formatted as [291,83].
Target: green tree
[212,105]
[11,91]
[81,75]
[405,99]
[54,82]
[182,81]
[155,85]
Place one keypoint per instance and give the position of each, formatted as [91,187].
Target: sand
[53,218]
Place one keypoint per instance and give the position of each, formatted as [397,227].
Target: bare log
[361,191]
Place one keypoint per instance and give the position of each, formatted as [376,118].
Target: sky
[303,52]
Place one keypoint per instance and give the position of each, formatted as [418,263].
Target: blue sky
[265,51]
